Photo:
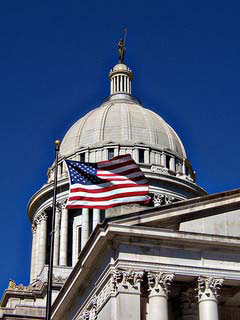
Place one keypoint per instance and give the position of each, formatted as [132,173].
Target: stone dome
[121,120]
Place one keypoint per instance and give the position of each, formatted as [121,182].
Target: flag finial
[57,144]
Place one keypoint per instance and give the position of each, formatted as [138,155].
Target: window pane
[141,155]
[110,153]
[82,157]
[168,161]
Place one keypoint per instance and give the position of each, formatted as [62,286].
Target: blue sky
[54,61]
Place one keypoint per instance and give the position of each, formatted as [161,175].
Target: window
[82,157]
[141,155]
[110,153]
[168,161]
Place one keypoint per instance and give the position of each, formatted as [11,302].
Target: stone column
[63,237]
[183,167]
[42,241]
[163,160]
[96,217]
[85,227]
[36,260]
[33,259]
[172,164]
[208,288]
[158,295]
[57,235]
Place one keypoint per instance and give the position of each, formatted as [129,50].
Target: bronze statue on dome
[121,47]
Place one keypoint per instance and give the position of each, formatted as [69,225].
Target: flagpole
[50,269]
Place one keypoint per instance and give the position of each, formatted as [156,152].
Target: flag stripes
[106,184]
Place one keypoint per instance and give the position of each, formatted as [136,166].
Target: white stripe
[108,202]
[131,175]
[121,169]
[107,184]
[114,162]
[108,193]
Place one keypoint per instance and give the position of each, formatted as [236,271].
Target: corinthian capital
[60,205]
[208,287]
[127,279]
[159,282]
[34,228]
[42,216]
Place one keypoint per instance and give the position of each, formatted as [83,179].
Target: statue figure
[121,50]
[12,284]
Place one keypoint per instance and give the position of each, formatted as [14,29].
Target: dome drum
[160,161]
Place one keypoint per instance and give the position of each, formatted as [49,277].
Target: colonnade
[40,237]
[144,295]
[207,294]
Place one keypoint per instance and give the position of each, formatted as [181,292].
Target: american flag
[106,184]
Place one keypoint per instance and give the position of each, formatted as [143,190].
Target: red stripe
[114,196]
[128,185]
[105,207]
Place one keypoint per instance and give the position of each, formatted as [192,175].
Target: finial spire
[121,47]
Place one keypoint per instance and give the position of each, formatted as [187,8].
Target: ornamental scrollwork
[34,228]
[37,284]
[58,279]
[120,280]
[42,215]
[159,282]
[127,279]
[61,204]
[208,287]
[160,199]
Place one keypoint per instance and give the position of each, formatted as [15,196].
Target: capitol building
[176,258]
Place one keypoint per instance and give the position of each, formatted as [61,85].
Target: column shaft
[42,242]
[208,310]
[183,167]
[63,238]
[36,259]
[208,288]
[33,259]
[158,307]
[56,238]
[85,226]
[158,297]
[96,217]
[117,83]
[172,164]
[163,160]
